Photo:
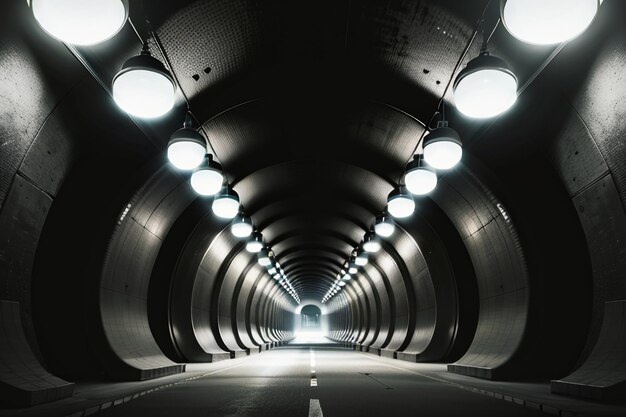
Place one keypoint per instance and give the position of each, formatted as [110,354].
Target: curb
[123,400]
[545,408]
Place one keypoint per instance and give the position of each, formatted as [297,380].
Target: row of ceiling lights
[144,88]
[485,88]
[242,227]
[383,228]
[442,150]
[538,22]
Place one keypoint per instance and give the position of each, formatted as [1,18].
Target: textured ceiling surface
[313,109]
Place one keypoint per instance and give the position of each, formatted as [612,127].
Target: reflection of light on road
[310,336]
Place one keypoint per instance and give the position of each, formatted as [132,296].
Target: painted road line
[313,375]
[315,409]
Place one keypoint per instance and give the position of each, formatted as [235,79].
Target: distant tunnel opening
[311,326]
[311,318]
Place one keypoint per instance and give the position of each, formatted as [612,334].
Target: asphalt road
[312,381]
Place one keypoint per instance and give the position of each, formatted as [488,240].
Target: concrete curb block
[544,408]
[94,409]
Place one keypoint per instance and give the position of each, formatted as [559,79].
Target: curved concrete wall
[402,292]
[589,157]
[126,274]
[53,183]
[50,156]
[217,308]
[477,275]
[344,316]
[425,306]
[23,381]
[189,279]
[373,308]
[205,297]
[501,273]
[386,307]
[424,323]
[225,317]
[244,310]
[234,306]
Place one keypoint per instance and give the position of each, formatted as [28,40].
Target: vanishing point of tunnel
[308,208]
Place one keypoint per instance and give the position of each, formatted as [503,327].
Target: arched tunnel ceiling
[314,111]
[281,44]
[312,194]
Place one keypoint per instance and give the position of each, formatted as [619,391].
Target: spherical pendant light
[346,277]
[241,226]
[400,203]
[187,148]
[256,244]
[384,227]
[80,22]
[442,147]
[485,88]
[370,244]
[352,270]
[420,179]
[226,203]
[361,260]
[264,258]
[543,22]
[144,87]
[207,179]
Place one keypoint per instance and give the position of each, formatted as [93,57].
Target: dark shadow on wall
[159,291]
[559,157]
[464,277]
[215,295]
[533,198]
[67,266]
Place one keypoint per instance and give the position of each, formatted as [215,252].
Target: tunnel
[340,208]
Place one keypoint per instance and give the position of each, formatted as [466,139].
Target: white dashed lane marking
[315,409]
[313,375]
